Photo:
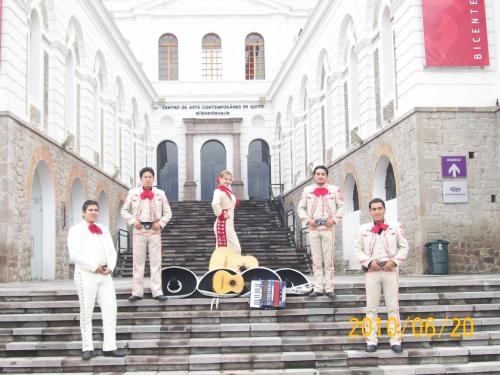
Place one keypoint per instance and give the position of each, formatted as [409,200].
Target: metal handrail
[288,218]
[122,245]
[122,241]
[277,201]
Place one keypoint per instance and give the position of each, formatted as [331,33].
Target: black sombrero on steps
[296,282]
[178,282]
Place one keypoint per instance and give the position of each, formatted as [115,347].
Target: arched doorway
[385,187]
[42,215]
[168,169]
[350,221]
[212,161]
[259,170]
[103,209]
[77,198]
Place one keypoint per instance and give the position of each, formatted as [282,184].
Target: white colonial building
[92,91]
[212,65]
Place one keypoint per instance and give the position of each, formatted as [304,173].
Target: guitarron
[225,257]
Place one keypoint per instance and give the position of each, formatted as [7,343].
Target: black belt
[147,224]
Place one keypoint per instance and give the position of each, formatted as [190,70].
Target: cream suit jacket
[394,240]
[309,202]
[132,205]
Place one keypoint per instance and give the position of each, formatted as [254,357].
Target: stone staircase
[188,240]
[39,332]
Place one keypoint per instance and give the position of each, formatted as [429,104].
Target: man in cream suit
[380,248]
[148,211]
[92,251]
[321,207]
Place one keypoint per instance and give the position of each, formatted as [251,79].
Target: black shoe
[160,297]
[315,294]
[133,298]
[113,353]
[331,295]
[397,348]
[87,354]
[371,348]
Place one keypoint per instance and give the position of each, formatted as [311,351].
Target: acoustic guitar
[224,282]
[225,257]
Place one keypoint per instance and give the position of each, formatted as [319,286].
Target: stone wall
[24,148]
[414,145]
[472,228]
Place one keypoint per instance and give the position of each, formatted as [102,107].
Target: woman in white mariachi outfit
[224,203]
[92,251]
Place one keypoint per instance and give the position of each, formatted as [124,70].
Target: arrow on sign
[454,170]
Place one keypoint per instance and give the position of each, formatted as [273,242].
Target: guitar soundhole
[242,268]
[232,283]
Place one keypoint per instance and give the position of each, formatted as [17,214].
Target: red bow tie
[379,227]
[147,194]
[93,228]
[321,191]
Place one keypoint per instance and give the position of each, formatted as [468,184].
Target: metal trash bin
[437,254]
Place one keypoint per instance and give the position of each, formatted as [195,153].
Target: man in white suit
[92,251]
[148,211]
[321,207]
[380,248]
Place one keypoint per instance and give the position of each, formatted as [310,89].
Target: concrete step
[384,361]
[39,331]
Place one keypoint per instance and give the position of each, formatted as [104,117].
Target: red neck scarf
[320,191]
[147,194]
[93,228]
[229,194]
[377,228]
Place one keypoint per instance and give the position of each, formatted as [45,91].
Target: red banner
[455,33]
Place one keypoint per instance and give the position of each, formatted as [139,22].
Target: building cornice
[111,31]
[317,17]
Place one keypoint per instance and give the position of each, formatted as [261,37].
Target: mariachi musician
[224,203]
[148,211]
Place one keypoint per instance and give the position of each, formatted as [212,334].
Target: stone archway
[259,170]
[212,161]
[212,127]
[43,224]
[77,198]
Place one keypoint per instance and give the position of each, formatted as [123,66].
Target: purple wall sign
[453,166]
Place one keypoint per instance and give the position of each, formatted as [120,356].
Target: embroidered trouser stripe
[228,237]
[220,230]
[91,287]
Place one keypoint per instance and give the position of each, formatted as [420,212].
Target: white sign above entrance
[211,109]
